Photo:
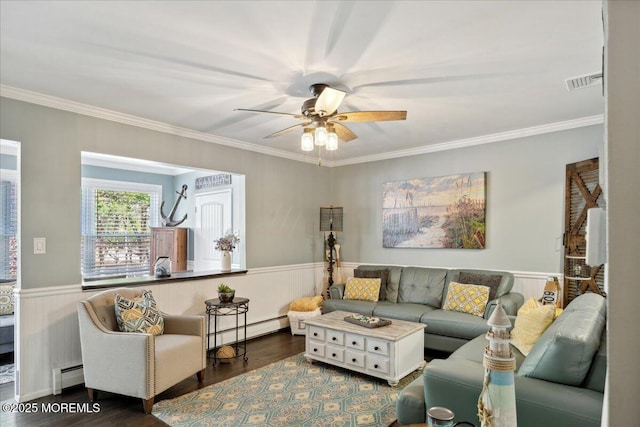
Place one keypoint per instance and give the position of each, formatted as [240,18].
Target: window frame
[88,218]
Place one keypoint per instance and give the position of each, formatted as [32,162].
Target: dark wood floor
[116,410]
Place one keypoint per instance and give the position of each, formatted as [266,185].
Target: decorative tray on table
[367,321]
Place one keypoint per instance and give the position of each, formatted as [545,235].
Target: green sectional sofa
[559,383]
[417,294]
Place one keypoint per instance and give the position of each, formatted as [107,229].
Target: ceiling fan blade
[370,116]
[344,133]
[328,101]
[290,128]
[297,116]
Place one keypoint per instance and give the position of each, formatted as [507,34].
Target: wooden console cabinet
[170,242]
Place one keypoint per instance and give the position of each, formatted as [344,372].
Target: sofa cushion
[362,289]
[597,374]
[382,274]
[405,311]
[564,352]
[454,324]
[532,320]
[506,281]
[140,314]
[352,306]
[393,282]
[470,299]
[6,298]
[422,285]
[474,350]
[490,280]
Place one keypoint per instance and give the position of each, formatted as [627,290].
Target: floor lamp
[330,220]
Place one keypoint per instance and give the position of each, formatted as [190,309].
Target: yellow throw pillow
[532,320]
[470,299]
[362,289]
[306,303]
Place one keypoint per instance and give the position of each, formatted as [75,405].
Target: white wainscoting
[48,322]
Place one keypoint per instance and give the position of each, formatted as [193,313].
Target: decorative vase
[226,261]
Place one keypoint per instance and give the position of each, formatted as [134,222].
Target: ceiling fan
[322,122]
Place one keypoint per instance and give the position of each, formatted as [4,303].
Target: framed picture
[441,212]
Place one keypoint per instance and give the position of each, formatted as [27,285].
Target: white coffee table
[390,352]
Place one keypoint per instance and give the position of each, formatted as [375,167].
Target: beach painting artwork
[441,212]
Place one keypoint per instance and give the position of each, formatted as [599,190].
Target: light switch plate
[39,245]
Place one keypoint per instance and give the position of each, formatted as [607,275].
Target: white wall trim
[114,116]
[477,140]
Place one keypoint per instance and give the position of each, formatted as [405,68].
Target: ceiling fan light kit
[321,112]
[306,141]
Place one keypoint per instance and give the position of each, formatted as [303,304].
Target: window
[116,227]
[8,226]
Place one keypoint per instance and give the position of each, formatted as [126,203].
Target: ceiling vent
[585,81]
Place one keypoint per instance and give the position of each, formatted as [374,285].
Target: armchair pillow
[362,289]
[471,299]
[140,314]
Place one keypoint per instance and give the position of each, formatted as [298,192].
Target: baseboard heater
[67,377]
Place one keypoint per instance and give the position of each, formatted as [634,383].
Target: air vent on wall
[585,81]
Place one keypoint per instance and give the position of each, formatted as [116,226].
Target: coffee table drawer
[378,364]
[355,341]
[335,353]
[335,337]
[355,359]
[316,349]
[316,333]
[376,346]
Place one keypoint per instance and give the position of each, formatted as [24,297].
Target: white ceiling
[464,71]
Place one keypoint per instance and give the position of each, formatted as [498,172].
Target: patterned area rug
[7,373]
[291,392]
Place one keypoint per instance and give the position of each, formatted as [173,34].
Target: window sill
[152,280]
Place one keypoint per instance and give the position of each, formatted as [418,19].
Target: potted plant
[225,293]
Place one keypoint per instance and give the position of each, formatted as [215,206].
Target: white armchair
[137,364]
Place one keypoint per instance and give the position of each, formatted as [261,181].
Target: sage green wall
[282,195]
[525,201]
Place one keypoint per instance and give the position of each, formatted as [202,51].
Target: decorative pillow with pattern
[140,314]
[470,299]
[362,289]
[383,275]
[6,298]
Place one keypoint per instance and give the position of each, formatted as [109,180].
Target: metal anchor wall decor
[170,222]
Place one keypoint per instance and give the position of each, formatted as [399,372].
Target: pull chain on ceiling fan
[322,124]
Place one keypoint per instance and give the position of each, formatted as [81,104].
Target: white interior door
[213,220]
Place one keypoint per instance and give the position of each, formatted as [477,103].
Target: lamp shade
[331,218]
[307,140]
[332,141]
[320,136]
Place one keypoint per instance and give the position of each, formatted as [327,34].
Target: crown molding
[114,116]
[477,140]
[127,119]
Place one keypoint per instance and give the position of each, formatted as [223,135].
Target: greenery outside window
[116,227]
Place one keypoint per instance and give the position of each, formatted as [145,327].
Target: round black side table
[216,308]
